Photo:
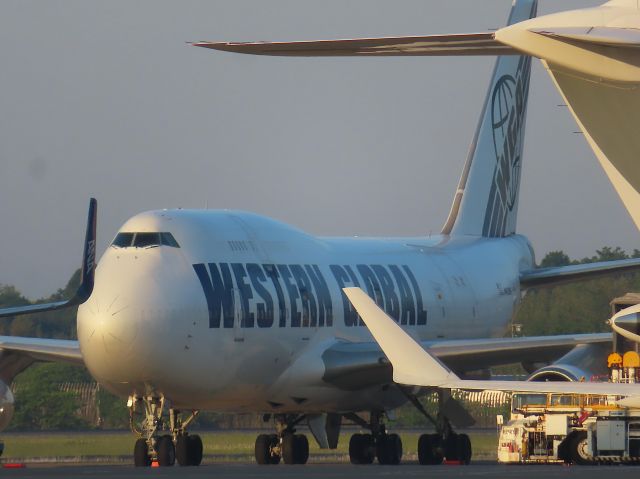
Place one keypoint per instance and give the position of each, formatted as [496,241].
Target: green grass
[227,445]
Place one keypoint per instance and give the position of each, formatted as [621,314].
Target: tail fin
[486,201]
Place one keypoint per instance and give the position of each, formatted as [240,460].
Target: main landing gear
[364,448]
[445,443]
[161,440]
[285,445]
[434,448]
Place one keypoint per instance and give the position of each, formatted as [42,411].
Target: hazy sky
[105,99]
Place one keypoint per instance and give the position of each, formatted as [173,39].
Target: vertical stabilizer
[486,201]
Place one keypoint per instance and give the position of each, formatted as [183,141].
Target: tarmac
[329,471]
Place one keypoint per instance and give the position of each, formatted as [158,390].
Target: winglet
[89,256]
[86,274]
[411,363]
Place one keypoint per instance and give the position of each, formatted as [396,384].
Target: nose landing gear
[161,440]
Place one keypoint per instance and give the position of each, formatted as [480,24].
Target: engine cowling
[580,364]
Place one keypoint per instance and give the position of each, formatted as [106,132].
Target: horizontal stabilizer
[414,366]
[565,274]
[86,279]
[619,37]
[427,45]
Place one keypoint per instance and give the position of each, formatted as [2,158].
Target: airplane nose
[133,325]
[113,325]
[108,332]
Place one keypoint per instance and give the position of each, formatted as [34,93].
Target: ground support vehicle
[569,428]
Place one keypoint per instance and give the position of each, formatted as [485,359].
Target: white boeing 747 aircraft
[591,54]
[229,311]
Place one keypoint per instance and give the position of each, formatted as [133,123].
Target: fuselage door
[238,330]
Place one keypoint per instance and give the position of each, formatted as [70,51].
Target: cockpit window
[144,240]
[123,240]
[167,239]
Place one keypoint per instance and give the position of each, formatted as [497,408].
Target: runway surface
[329,471]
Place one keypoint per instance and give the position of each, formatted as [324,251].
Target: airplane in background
[591,55]
[230,311]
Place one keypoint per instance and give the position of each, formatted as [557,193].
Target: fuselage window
[122,240]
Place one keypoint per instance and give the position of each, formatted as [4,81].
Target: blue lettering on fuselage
[246,295]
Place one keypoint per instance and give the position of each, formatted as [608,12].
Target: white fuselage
[237,317]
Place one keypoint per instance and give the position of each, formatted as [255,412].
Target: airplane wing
[41,349]
[413,365]
[352,366]
[86,279]
[565,274]
[425,45]
[18,353]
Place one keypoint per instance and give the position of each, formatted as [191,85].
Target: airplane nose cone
[108,332]
[112,325]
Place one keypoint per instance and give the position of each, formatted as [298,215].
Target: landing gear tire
[389,449]
[265,445]
[288,449]
[166,451]
[429,450]
[464,449]
[361,449]
[195,449]
[182,450]
[189,450]
[263,449]
[295,449]
[141,454]
[275,457]
[302,449]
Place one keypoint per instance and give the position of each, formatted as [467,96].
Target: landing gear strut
[292,448]
[161,440]
[364,448]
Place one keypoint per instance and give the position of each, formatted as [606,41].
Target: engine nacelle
[6,406]
[580,364]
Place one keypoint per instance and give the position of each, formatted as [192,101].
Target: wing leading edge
[412,365]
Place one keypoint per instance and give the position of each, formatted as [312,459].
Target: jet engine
[582,363]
